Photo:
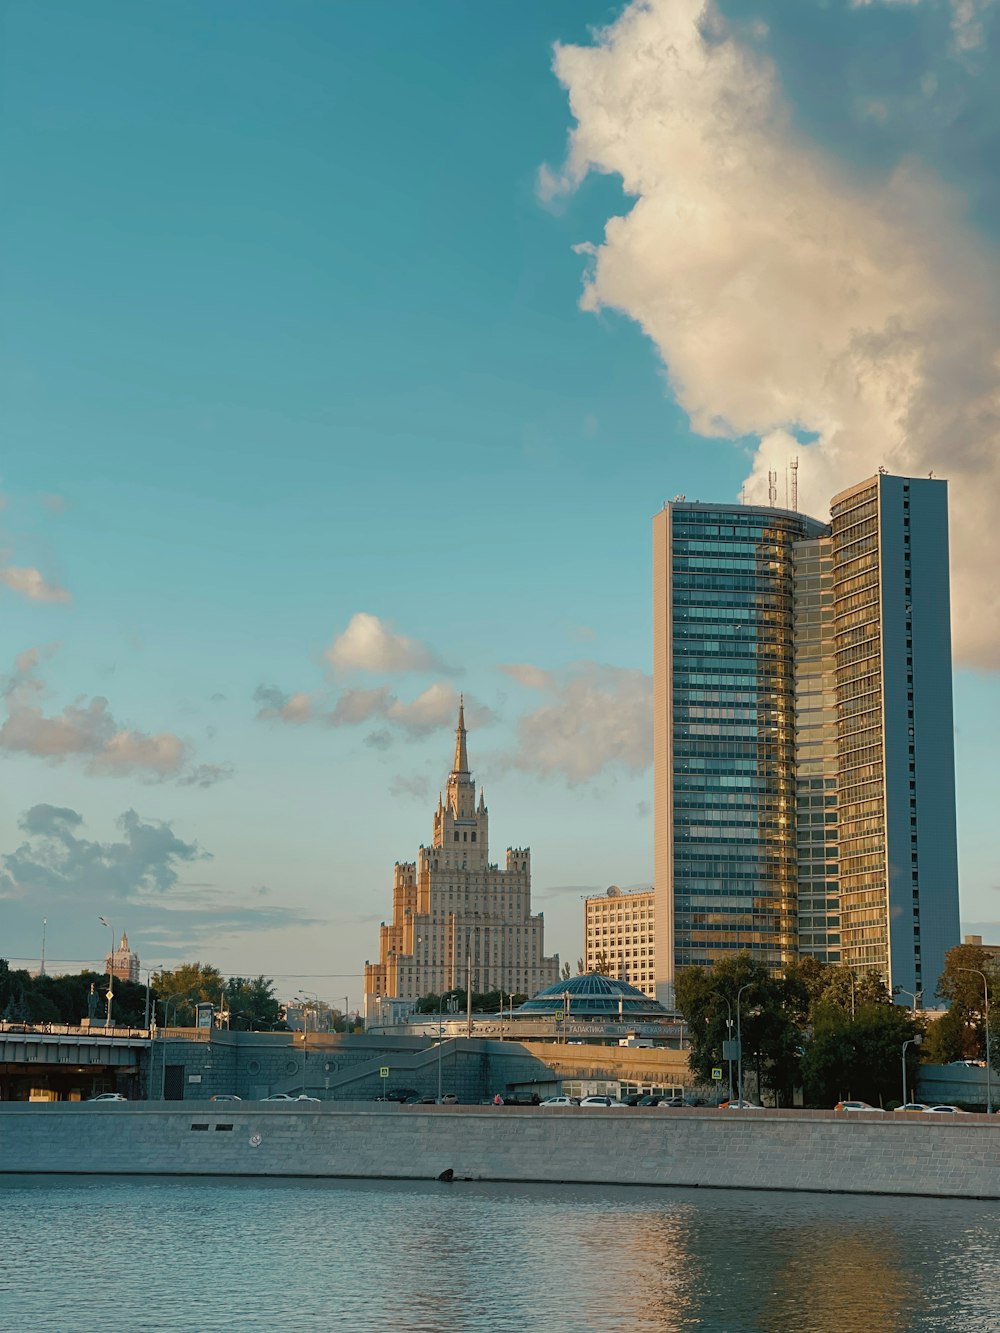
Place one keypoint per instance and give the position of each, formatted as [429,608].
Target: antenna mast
[794,466]
[772,488]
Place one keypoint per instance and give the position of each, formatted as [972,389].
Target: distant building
[803,736]
[123,963]
[992,951]
[618,936]
[456,916]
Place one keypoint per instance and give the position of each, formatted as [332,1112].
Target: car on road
[108,1097]
[857,1106]
[670,1103]
[740,1104]
[944,1110]
[607,1102]
[969,1064]
[912,1106]
[447,1099]
[225,1097]
[287,1097]
[560,1101]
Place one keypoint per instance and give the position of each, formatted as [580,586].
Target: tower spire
[461,754]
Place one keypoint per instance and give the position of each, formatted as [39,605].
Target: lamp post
[914,996]
[347,1004]
[986,1016]
[441,1030]
[149,971]
[739,1044]
[913,1041]
[729,1029]
[111,962]
[307,995]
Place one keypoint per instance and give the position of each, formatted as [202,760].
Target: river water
[139,1255]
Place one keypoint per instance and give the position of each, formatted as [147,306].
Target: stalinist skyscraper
[454,913]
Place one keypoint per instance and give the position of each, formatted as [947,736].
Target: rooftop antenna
[41,966]
[794,466]
[772,488]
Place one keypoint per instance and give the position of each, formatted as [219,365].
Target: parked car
[857,1106]
[225,1097]
[969,1064]
[287,1097]
[108,1097]
[740,1104]
[603,1101]
[912,1106]
[944,1110]
[447,1099]
[561,1101]
[670,1103]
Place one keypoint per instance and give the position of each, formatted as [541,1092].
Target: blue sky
[293,335]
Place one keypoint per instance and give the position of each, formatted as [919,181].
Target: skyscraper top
[461,753]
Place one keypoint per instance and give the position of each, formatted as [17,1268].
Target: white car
[108,1097]
[287,1097]
[560,1101]
[858,1106]
[603,1102]
[912,1106]
[944,1110]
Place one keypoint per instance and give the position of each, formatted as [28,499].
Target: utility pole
[468,990]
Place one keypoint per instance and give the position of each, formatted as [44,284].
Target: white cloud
[967,19]
[87,730]
[782,294]
[369,644]
[30,583]
[597,718]
[432,709]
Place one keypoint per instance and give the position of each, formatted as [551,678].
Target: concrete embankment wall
[785,1150]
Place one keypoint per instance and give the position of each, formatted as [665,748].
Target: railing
[73,1030]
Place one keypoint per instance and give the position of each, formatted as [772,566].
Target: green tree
[565,971]
[252,1003]
[184,987]
[859,1056]
[962,986]
[770,1011]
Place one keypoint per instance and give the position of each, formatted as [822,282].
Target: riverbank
[776,1150]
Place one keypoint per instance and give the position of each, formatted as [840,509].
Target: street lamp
[986,1015]
[913,1041]
[729,1029]
[739,1044]
[914,996]
[111,962]
[307,995]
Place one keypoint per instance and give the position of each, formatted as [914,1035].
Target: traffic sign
[717,1074]
[109,995]
[384,1072]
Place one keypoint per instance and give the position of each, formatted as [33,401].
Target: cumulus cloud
[370,644]
[784,296]
[87,730]
[595,719]
[431,710]
[54,858]
[30,583]
[416,788]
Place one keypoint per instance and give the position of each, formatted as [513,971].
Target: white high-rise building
[456,916]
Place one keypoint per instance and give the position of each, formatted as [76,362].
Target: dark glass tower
[724,734]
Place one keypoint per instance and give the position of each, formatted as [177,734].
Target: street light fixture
[739,1044]
[913,1041]
[914,996]
[111,962]
[986,1015]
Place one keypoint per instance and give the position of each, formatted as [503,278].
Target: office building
[803,750]
[456,917]
[619,936]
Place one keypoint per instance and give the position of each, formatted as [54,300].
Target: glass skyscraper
[790,664]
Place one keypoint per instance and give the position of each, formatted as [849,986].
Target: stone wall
[785,1150]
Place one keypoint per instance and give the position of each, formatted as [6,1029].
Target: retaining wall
[784,1150]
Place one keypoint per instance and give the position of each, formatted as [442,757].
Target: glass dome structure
[592,996]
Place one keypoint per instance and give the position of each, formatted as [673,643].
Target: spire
[461,754]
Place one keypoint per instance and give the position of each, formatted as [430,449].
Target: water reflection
[179,1256]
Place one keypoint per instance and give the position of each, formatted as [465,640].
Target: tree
[565,971]
[602,965]
[185,986]
[859,1056]
[252,1003]
[964,989]
[769,1010]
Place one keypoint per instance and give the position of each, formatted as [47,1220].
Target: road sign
[717,1074]
[384,1072]
[109,995]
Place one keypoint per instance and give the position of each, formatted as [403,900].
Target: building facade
[456,917]
[123,963]
[619,932]
[803,749]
